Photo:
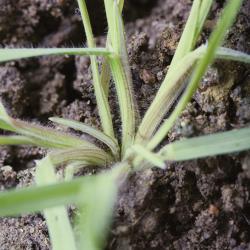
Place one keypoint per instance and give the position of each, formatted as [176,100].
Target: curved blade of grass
[5,126]
[4,119]
[208,145]
[234,55]
[52,137]
[146,154]
[105,71]
[43,136]
[101,98]
[187,38]
[72,168]
[24,140]
[57,218]
[9,54]
[204,10]
[217,36]
[37,198]
[110,142]
[105,76]
[121,73]
[93,156]
[165,99]
[159,108]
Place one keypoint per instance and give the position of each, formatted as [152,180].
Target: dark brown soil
[202,204]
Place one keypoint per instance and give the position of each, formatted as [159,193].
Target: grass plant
[139,145]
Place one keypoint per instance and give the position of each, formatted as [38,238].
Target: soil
[200,204]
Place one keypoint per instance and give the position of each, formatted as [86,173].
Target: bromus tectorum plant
[139,145]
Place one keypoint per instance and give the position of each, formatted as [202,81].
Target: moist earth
[200,204]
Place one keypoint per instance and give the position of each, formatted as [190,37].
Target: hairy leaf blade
[165,99]
[41,136]
[93,156]
[111,143]
[101,97]
[121,74]
[228,16]
[188,35]
[208,145]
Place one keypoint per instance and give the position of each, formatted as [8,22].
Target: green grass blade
[120,4]
[3,113]
[209,145]
[35,199]
[187,39]
[110,142]
[9,54]
[38,198]
[176,83]
[121,74]
[101,98]
[57,218]
[151,157]
[52,137]
[4,119]
[105,76]
[105,71]
[15,140]
[165,94]
[93,156]
[5,126]
[204,10]
[41,136]
[234,55]
[72,168]
[217,36]
[96,210]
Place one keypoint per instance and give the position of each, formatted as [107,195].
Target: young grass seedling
[95,196]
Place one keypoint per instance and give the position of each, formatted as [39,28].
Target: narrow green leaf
[105,71]
[3,113]
[92,156]
[170,90]
[187,39]
[38,198]
[234,55]
[217,36]
[151,157]
[72,168]
[105,76]
[53,137]
[204,10]
[120,5]
[57,218]
[121,74]
[15,140]
[101,98]
[9,54]
[208,145]
[35,199]
[96,210]
[110,142]
[176,83]
[41,136]
[5,126]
